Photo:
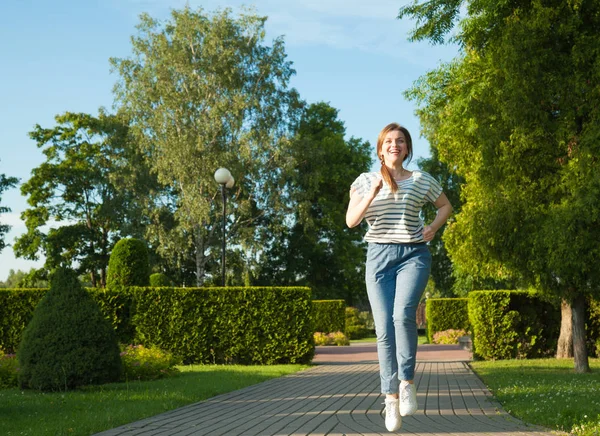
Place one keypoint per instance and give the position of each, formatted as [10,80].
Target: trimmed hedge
[593,327]
[245,325]
[128,264]
[445,314]
[512,324]
[265,325]
[68,342]
[329,316]
[16,310]
[159,279]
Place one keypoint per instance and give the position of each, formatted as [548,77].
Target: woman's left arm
[444,209]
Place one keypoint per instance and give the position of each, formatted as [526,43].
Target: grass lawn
[94,409]
[422,340]
[546,392]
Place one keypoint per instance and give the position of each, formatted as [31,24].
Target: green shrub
[9,369]
[448,337]
[512,324]
[333,338]
[329,315]
[592,325]
[128,264]
[159,279]
[68,342]
[446,313]
[16,310]
[244,325]
[147,363]
[358,324]
[321,338]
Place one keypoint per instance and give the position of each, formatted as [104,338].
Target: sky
[353,54]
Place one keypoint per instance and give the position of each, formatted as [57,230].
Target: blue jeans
[396,276]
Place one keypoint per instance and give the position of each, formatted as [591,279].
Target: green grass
[422,340]
[94,409]
[546,392]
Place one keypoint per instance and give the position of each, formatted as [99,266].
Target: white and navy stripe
[395,218]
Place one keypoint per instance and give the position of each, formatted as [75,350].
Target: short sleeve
[434,191]
[361,184]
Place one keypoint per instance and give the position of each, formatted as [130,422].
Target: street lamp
[224,178]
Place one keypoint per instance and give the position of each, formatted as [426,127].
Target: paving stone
[343,400]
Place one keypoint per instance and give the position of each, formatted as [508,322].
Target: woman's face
[394,148]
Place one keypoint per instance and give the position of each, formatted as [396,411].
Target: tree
[311,245]
[516,116]
[88,185]
[5,183]
[203,91]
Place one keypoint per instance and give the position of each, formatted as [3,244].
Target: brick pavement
[340,396]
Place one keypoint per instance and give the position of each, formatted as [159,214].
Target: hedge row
[329,316]
[512,324]
[446,313]
[201,325]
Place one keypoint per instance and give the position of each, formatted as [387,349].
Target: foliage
[160,279]
[593,327]
[68,342]
[446,313]
[309,244]
[449,336]
[512,324]
[546,392]
[16,310]
[329,315]
[146,363]
[516,116]
[203,91]
[9,370]
[90,183]
[333,338]
[128,264]
[5,183]
[250,325]
[358,324]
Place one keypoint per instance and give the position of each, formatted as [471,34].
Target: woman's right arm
[358,205]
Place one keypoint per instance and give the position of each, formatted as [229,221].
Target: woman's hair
[385,173]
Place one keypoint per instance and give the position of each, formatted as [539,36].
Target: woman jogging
[398,260]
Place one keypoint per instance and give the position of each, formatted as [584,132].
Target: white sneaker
[408,399]
[393,420]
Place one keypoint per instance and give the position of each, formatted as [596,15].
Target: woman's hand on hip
[428,233]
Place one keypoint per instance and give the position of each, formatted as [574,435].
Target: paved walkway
[340,396]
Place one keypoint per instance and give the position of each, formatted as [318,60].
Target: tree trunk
[104,257]
[200,258]
[579,346]
[93,278]
[565,340]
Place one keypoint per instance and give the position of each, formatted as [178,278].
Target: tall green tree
[517,116]
[5,183]
[312,245]
[203,91]
[86,185]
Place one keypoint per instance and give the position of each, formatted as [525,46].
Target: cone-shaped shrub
[159,279]
[128,264]
[68,342]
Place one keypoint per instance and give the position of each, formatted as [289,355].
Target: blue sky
[353,54]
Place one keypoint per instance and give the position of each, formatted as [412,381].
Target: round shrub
[159,279]
[128,264]
[68,342]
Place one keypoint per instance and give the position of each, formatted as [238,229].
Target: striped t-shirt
[395,218]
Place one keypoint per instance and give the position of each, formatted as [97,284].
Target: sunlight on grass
[96,408]
[546,392]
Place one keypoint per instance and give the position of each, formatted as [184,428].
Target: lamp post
[224,178]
